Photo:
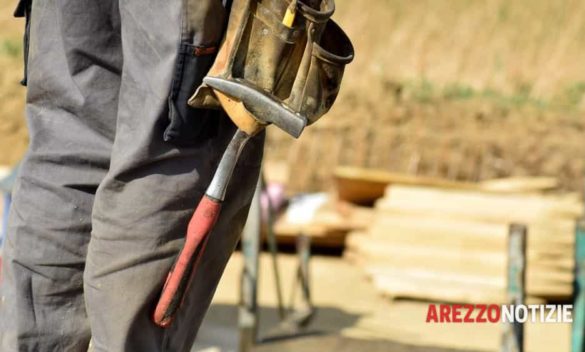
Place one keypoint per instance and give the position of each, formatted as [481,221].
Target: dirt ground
[353,315]
[457,140]
[351,311]
[465,90]
[430,94]
[13,135]
[343,344]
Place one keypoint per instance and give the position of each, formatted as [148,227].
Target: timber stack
[449,244]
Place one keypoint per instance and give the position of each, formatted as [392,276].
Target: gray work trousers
[116,164]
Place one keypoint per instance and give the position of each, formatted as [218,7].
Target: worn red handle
[177,281]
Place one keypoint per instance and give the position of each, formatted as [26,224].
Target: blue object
[6,185]
[577,338]
[7,201]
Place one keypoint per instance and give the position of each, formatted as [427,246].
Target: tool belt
[273,64]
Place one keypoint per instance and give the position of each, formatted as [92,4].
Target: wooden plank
[476,205]
[549,275]
[451,244]
[443,233]
[478,262]
[429,286]
[537,276]
[322,239]
[442,259]
[520,184]
[458,236]
[363,186]
[425,284]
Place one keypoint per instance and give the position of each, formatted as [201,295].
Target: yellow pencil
[289,16]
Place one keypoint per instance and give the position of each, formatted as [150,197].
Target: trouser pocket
[23,9]
[188,125]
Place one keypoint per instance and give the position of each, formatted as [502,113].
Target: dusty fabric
[109,183]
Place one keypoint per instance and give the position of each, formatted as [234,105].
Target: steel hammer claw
[262,105]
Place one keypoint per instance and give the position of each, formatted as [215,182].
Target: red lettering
[468,318]
[496,310]
[456,313]
[432,314]
[480,315]
[445,312]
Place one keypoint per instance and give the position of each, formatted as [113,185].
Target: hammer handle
[178,279]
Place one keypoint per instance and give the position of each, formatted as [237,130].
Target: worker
[117,161]
[124,144]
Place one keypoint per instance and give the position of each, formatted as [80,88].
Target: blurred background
[456,119]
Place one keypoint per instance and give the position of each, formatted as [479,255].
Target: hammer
[251,109]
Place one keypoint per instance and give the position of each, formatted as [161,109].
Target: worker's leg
[144,204]
[73,81]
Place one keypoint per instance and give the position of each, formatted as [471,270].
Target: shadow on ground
[336,343]
[220,328]
[219,333]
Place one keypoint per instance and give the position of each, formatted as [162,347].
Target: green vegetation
[573,95]
[10,47]
[425,91]
[514,53]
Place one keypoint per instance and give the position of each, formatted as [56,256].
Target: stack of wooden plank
[364,186]
[449,244]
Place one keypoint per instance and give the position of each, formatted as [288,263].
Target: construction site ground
[352,316]
[430,93]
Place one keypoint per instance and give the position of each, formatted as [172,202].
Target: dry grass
[528,47]
[466,89]
[457,140]
[463,89]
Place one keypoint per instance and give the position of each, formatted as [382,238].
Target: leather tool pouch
[300,67]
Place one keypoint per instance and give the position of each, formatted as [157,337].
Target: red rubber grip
[177,281]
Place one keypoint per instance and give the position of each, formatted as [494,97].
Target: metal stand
[578,328]
[302,316]
[513,340]
[291,320]
[248,310]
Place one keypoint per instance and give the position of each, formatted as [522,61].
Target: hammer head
[261,105]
